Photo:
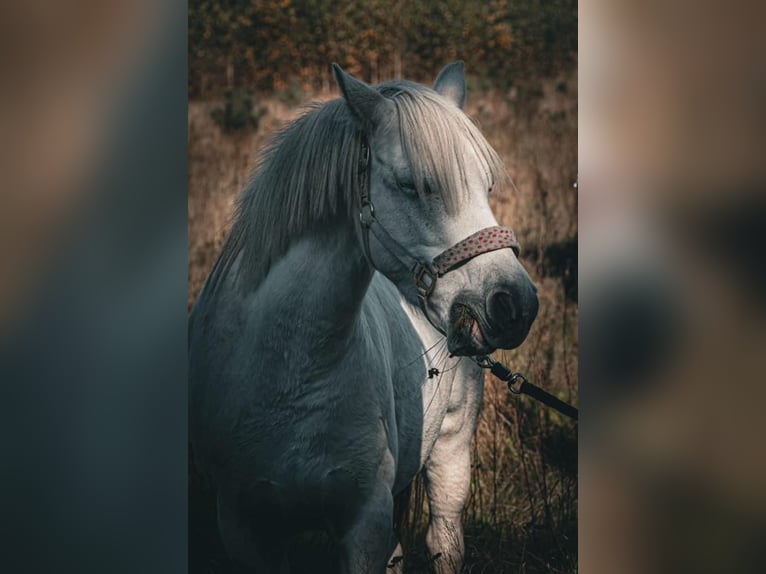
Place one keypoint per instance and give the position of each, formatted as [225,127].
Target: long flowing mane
[308,174]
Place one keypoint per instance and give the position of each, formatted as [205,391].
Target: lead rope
[519,385]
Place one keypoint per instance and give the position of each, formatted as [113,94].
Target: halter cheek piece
[425,273]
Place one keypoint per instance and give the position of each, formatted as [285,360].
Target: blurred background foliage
[277,45]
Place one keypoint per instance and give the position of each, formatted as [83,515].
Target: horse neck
[319,284]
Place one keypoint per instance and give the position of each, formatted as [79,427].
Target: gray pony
[325,372]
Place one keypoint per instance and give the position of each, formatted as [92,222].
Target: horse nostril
[501,307]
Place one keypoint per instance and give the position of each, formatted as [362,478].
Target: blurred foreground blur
[93,286]
[672,173]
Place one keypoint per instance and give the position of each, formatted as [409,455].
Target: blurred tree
[275,44]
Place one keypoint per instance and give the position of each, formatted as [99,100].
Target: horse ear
[368,105]
[451,83]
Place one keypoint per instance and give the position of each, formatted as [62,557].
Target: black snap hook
[516,383]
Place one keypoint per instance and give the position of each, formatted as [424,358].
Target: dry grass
[522,515]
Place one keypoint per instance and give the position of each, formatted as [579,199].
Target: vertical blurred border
[93,276]
[672,170]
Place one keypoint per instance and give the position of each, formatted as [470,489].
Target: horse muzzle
[502,321]
[465,336]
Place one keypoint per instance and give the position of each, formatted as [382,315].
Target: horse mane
[308,175]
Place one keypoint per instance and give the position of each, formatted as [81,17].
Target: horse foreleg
[367,545]
[448,480]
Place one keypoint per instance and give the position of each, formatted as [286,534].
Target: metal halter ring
[424,288]
[367,213]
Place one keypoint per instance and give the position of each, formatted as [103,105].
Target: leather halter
[425,273]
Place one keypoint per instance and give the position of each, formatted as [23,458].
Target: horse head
[426,173]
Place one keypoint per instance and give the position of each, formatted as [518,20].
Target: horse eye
[406,186]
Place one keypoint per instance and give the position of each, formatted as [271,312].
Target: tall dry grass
[522,514]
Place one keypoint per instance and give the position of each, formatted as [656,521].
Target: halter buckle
[425,281]
[367,213]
